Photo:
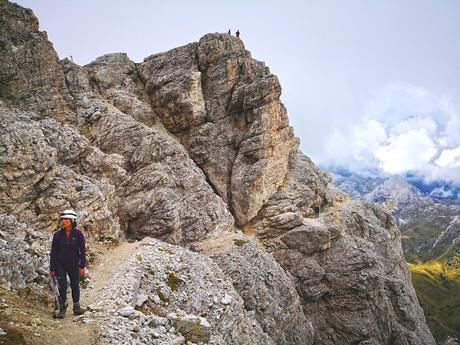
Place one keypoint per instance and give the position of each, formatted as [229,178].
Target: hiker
[317,211]
[237,33]
[229,32]
[68,257]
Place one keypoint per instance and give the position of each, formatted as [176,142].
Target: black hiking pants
[74,275]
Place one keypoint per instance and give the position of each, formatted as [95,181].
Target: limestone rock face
[347,264]
[173,84]
[225,108]
[115,77]
[167,194]
[268,295]
[304,188]
[22,254]
[30,74]
[192,147]
[48,167]
[164,193]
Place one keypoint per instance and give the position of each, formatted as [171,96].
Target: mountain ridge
[192,150]
[410,206]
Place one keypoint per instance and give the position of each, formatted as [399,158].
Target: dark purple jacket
[68,251]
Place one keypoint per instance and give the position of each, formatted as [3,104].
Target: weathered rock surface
[194,329]
[48,167]
[348,263]
[164,194]
[225,108]
[30,73]
[183,293]
[304,188]
[181,147]
[450,341]
[269,295]
[22,255]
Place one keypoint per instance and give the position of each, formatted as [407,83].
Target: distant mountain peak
[395,189]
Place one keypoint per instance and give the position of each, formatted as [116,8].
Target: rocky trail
[27,319]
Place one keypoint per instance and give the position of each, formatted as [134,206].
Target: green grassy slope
[436,278]
[438,290]
[416,237]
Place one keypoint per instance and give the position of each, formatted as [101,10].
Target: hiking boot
[77,310]
[62,310]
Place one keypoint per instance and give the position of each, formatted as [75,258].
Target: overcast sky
[369,85]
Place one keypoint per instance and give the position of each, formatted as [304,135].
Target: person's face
[66,223]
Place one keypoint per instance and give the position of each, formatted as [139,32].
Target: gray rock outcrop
[225,108]
[346,262]
[186,296]
[269,296]
[22,255]
[164,193]
[30,75]
[47,167]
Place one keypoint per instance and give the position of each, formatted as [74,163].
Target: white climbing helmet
[71,214]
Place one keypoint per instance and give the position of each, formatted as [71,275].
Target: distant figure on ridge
[237,33]
[317,211]
[68,257]
[229,32]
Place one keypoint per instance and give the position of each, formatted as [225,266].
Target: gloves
[82,271]
[52,274]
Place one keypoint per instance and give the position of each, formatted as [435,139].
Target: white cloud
[428,124]
[452,129]
[368,137]
[399,102]
[405,130]
[406,152]
[441,192]
[354,146]
[449,158]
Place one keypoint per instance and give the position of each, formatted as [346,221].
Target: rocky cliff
[191,147]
